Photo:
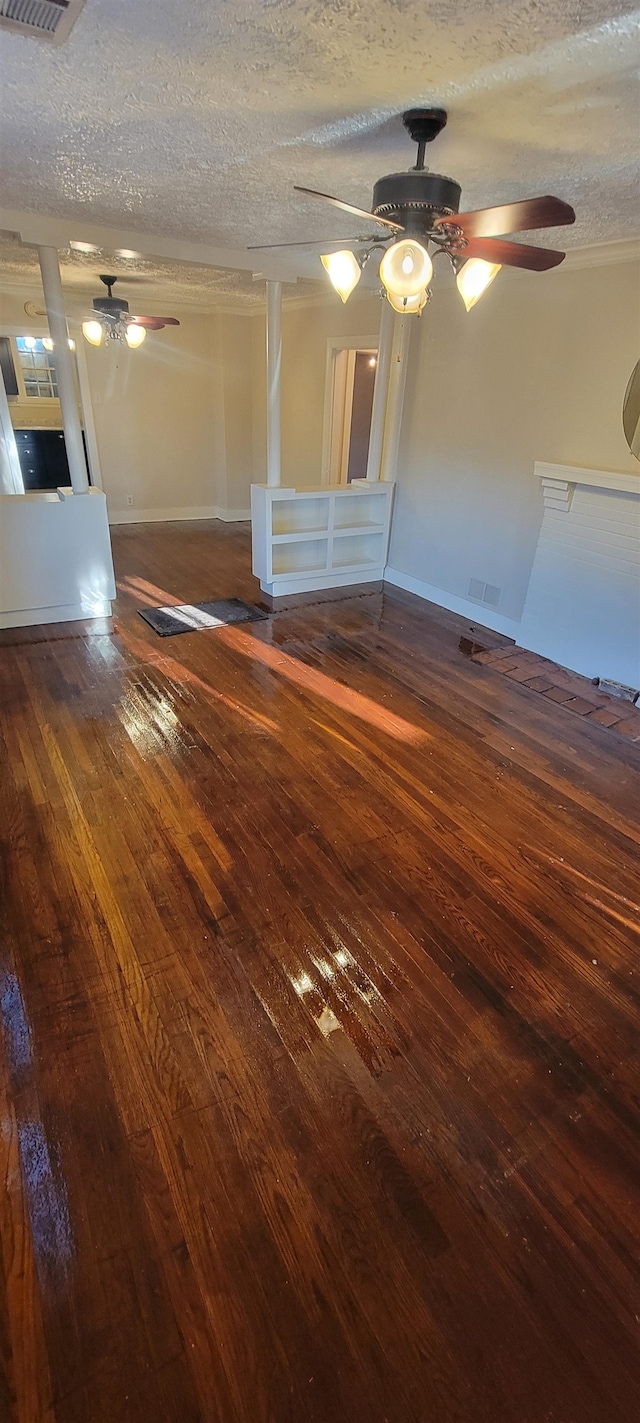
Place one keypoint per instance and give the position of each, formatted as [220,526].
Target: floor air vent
[484,592]
[42,19]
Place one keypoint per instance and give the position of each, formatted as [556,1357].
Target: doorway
[351,373]
[34,406]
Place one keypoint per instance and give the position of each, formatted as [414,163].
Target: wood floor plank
[319,998]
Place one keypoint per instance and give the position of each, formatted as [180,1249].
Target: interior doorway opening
[352,376]
[34,407]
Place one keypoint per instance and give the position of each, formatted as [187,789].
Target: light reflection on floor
[354,703]
[183,675]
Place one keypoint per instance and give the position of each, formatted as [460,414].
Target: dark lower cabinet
[43,458]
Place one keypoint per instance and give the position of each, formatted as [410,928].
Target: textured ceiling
[193,118]
[143,282]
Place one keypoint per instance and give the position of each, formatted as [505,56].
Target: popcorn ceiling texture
[193,118]
[147,284]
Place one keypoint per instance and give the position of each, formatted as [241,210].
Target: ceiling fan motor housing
[415,199]
[111,306]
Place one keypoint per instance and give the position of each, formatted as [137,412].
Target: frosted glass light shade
[474,278]
[92,332]
[344,271]
[134,336]
[408,304]
[406,268]
[48,343]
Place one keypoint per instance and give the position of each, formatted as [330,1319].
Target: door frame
[338,402]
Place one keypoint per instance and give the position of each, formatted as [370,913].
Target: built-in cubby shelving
[299,516]
[332,536]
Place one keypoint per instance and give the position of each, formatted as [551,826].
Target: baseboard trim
[64,613]
[168,516]
[283,602]
[234,516]
[286,586]
[475,612]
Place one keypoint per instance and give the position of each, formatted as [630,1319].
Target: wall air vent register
[484,592]
[41,19]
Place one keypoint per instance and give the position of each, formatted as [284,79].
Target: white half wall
[55,558]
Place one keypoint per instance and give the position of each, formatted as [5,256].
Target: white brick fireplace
[582,607]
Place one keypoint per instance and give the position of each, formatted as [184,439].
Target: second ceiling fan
[111,320]
[418,209]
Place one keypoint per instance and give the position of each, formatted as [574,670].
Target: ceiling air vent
[43,19]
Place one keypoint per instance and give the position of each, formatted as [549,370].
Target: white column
[380,391]
[11,481]
[274,370]
[395,400]
[54,302]
[86,410]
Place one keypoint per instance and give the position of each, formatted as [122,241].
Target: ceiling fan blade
[525,216]
[513,254]
[347,207]
[154,323]
[313,242]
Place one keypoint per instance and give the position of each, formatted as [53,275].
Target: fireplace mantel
[598,478]
[582,607]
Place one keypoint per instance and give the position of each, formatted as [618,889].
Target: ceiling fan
[419,208]
[111,320]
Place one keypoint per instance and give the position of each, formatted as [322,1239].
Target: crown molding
[601,254]
[322,298]
[328,298]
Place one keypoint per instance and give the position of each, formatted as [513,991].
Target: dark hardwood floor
[319,995]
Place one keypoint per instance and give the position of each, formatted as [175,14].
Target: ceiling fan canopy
[417,208]
[111,320]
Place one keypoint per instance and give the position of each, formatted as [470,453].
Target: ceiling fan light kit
[112,321]
[344,271]
[134,335]
[408,305]
[48,343]
[406,268]
[92,332]
[419,208]
[473,278]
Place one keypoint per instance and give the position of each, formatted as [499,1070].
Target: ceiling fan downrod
[423,125]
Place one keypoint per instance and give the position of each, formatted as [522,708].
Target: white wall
[154,415]
[537,371]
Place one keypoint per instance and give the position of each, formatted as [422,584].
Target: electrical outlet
[129,499]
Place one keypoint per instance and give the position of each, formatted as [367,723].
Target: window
[36,365]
